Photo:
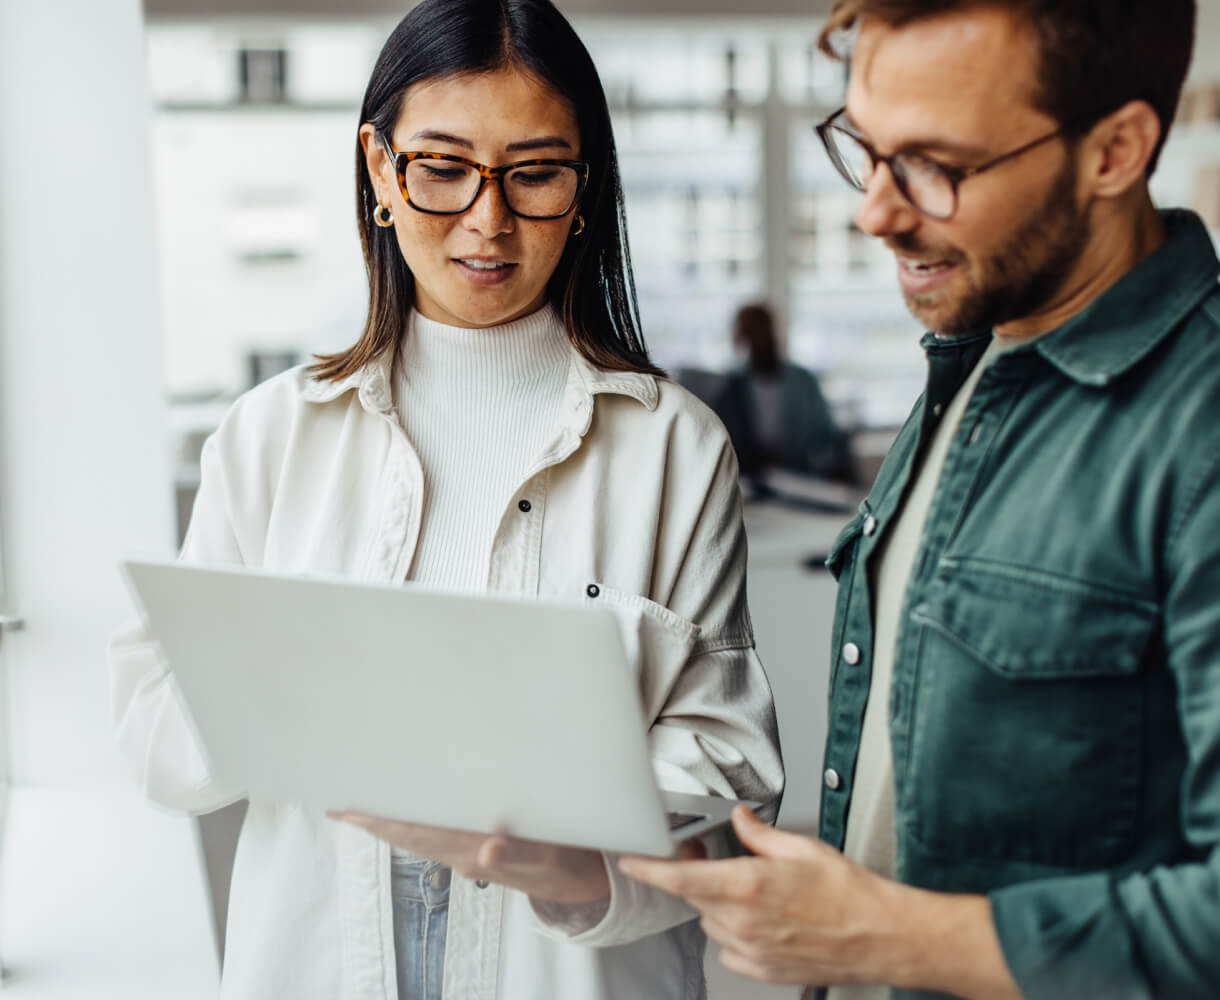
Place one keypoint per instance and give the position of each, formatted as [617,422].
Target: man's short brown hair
[1095,55]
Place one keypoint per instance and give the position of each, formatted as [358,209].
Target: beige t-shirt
[871,835]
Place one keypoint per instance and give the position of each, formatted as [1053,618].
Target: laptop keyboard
[677,820]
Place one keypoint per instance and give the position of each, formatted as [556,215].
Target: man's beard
[1021,276]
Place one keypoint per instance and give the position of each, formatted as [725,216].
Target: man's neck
[1117,243]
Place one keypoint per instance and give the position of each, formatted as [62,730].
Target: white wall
[1206,62]
[83,470]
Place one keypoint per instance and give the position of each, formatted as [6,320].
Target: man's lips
[921,275]
[918,266]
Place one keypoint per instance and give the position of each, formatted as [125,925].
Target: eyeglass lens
[535,190]
[923,182]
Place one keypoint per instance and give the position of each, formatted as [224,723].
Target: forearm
[945,943]
[152,732]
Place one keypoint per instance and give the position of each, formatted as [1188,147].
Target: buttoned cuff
[1066,937]
[634,911]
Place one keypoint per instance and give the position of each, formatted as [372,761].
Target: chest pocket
[1027,721]
[659,643]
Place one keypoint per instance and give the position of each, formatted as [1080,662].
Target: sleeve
[151,727]
[1155,933]
[714,728]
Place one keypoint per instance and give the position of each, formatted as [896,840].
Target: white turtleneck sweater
[478,405]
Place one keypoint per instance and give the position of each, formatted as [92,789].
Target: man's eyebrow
[930,144]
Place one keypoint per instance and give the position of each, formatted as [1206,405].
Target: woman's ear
[1119,148]
[378,163]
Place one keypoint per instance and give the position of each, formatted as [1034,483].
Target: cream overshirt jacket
[637,493]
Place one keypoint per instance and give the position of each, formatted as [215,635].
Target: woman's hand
[545,872]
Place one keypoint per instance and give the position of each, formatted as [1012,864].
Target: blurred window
[729,198]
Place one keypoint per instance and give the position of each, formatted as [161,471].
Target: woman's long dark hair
[592,289]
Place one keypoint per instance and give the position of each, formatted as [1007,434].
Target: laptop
[487,714]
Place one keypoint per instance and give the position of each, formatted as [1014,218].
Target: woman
[497,427]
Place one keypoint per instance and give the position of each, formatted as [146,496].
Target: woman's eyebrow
[542,142]
[435,136]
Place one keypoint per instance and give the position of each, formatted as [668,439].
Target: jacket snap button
[593,590]
[482,883]
[831,777]
[525,506]
[851,653]
[870,524]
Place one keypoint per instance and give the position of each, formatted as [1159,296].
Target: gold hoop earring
[580,225]
[383,216]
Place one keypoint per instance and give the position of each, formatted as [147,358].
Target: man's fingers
[699,881]
[766,841]
[693,850]
[744,966]
[676,877]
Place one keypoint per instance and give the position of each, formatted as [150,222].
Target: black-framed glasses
[929,186]
[444,184]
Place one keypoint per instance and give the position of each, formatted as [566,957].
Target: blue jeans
[420,890]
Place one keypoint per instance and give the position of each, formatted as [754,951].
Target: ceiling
[581,8]
[1206,63]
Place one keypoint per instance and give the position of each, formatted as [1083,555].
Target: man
[1022,785]
[775,411]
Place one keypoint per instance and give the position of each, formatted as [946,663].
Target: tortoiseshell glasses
[444,184]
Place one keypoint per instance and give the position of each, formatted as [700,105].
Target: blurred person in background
[1021,794]
[497,427]
[775,411]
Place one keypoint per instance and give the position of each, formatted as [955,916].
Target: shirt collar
[585,380]
[1126,322]
[1129,319]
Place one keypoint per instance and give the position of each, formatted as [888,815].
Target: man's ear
[1118,148]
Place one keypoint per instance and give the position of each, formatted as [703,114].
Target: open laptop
[472,712]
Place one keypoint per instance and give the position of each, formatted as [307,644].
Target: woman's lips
[485,271]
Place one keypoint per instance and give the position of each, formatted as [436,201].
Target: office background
[176,224]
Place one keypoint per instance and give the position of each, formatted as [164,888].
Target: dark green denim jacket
[1055,709]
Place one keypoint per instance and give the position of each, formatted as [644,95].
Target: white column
[100,895]
[777,192]
[84,472]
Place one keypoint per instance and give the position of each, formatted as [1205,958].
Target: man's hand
[801,912]
[546,872]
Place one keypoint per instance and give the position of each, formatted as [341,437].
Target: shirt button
[525,506]
[870,524]
[938,409]
[482,883]
[851,653]
[831,777]
[593,590]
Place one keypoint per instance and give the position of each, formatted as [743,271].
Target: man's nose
[885,209]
